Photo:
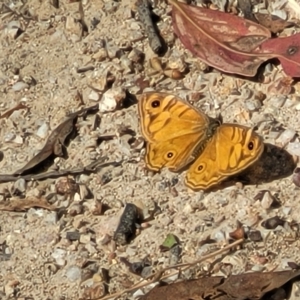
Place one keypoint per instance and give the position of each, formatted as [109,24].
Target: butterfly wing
[232,149]
[173,129]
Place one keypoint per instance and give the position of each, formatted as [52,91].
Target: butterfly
[180,136]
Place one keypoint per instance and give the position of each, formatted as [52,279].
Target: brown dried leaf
[16,204]
[95,291]
[9,112]
[242,286]
[273,23]
[55,142]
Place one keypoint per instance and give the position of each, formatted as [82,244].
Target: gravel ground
[55,61]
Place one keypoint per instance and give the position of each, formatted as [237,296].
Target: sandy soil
[55,65]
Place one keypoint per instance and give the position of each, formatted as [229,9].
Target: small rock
[136,56]
[112,49]
[19,86]
[18,140]
[112,99]
[51,217]
[9,288]
[294,148]
[255,236]
[100,55]
[73,273]
[272,223]
[59,255]
[84,238]
[13,29]
[94,96]
[20,185]
[73,235]
[286,137]
[42,132]
[8,137]
[253,105]
[73,29]
[286,210]
[258,268]
[267,200]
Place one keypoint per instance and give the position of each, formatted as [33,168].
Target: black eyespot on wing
[250,145]
[200,168]
[155,103]
[170,154]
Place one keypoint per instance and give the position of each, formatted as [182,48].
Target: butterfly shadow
[274,163]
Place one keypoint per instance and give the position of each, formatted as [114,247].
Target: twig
[91,168]
[159,274]
[151,30]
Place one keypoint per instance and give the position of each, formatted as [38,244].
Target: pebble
[267,200]
[9,137]
[286,137]
[12,29]
[112,49]
[253,105]
[18,140]
[258,268]
[111,99]
[84,238]
[20,185]
[94,96]
[19,86]
[73,29]
[73,273]
[59,255]
[280,14]
[42,132]
[286,210]
[277,101]
[294,148]
[51,217]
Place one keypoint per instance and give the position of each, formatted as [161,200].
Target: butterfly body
[178,135]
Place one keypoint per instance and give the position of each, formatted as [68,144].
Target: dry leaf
[55,141]
[243,286]
[9,112]
[273,23]
[24,204]
[230,43]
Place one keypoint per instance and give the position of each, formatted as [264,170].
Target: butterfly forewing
[173,129]
[164,116]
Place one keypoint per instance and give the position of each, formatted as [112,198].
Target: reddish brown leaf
[286,49]
[273,23]
[230,43]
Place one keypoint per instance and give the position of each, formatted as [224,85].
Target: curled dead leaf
[232,44]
